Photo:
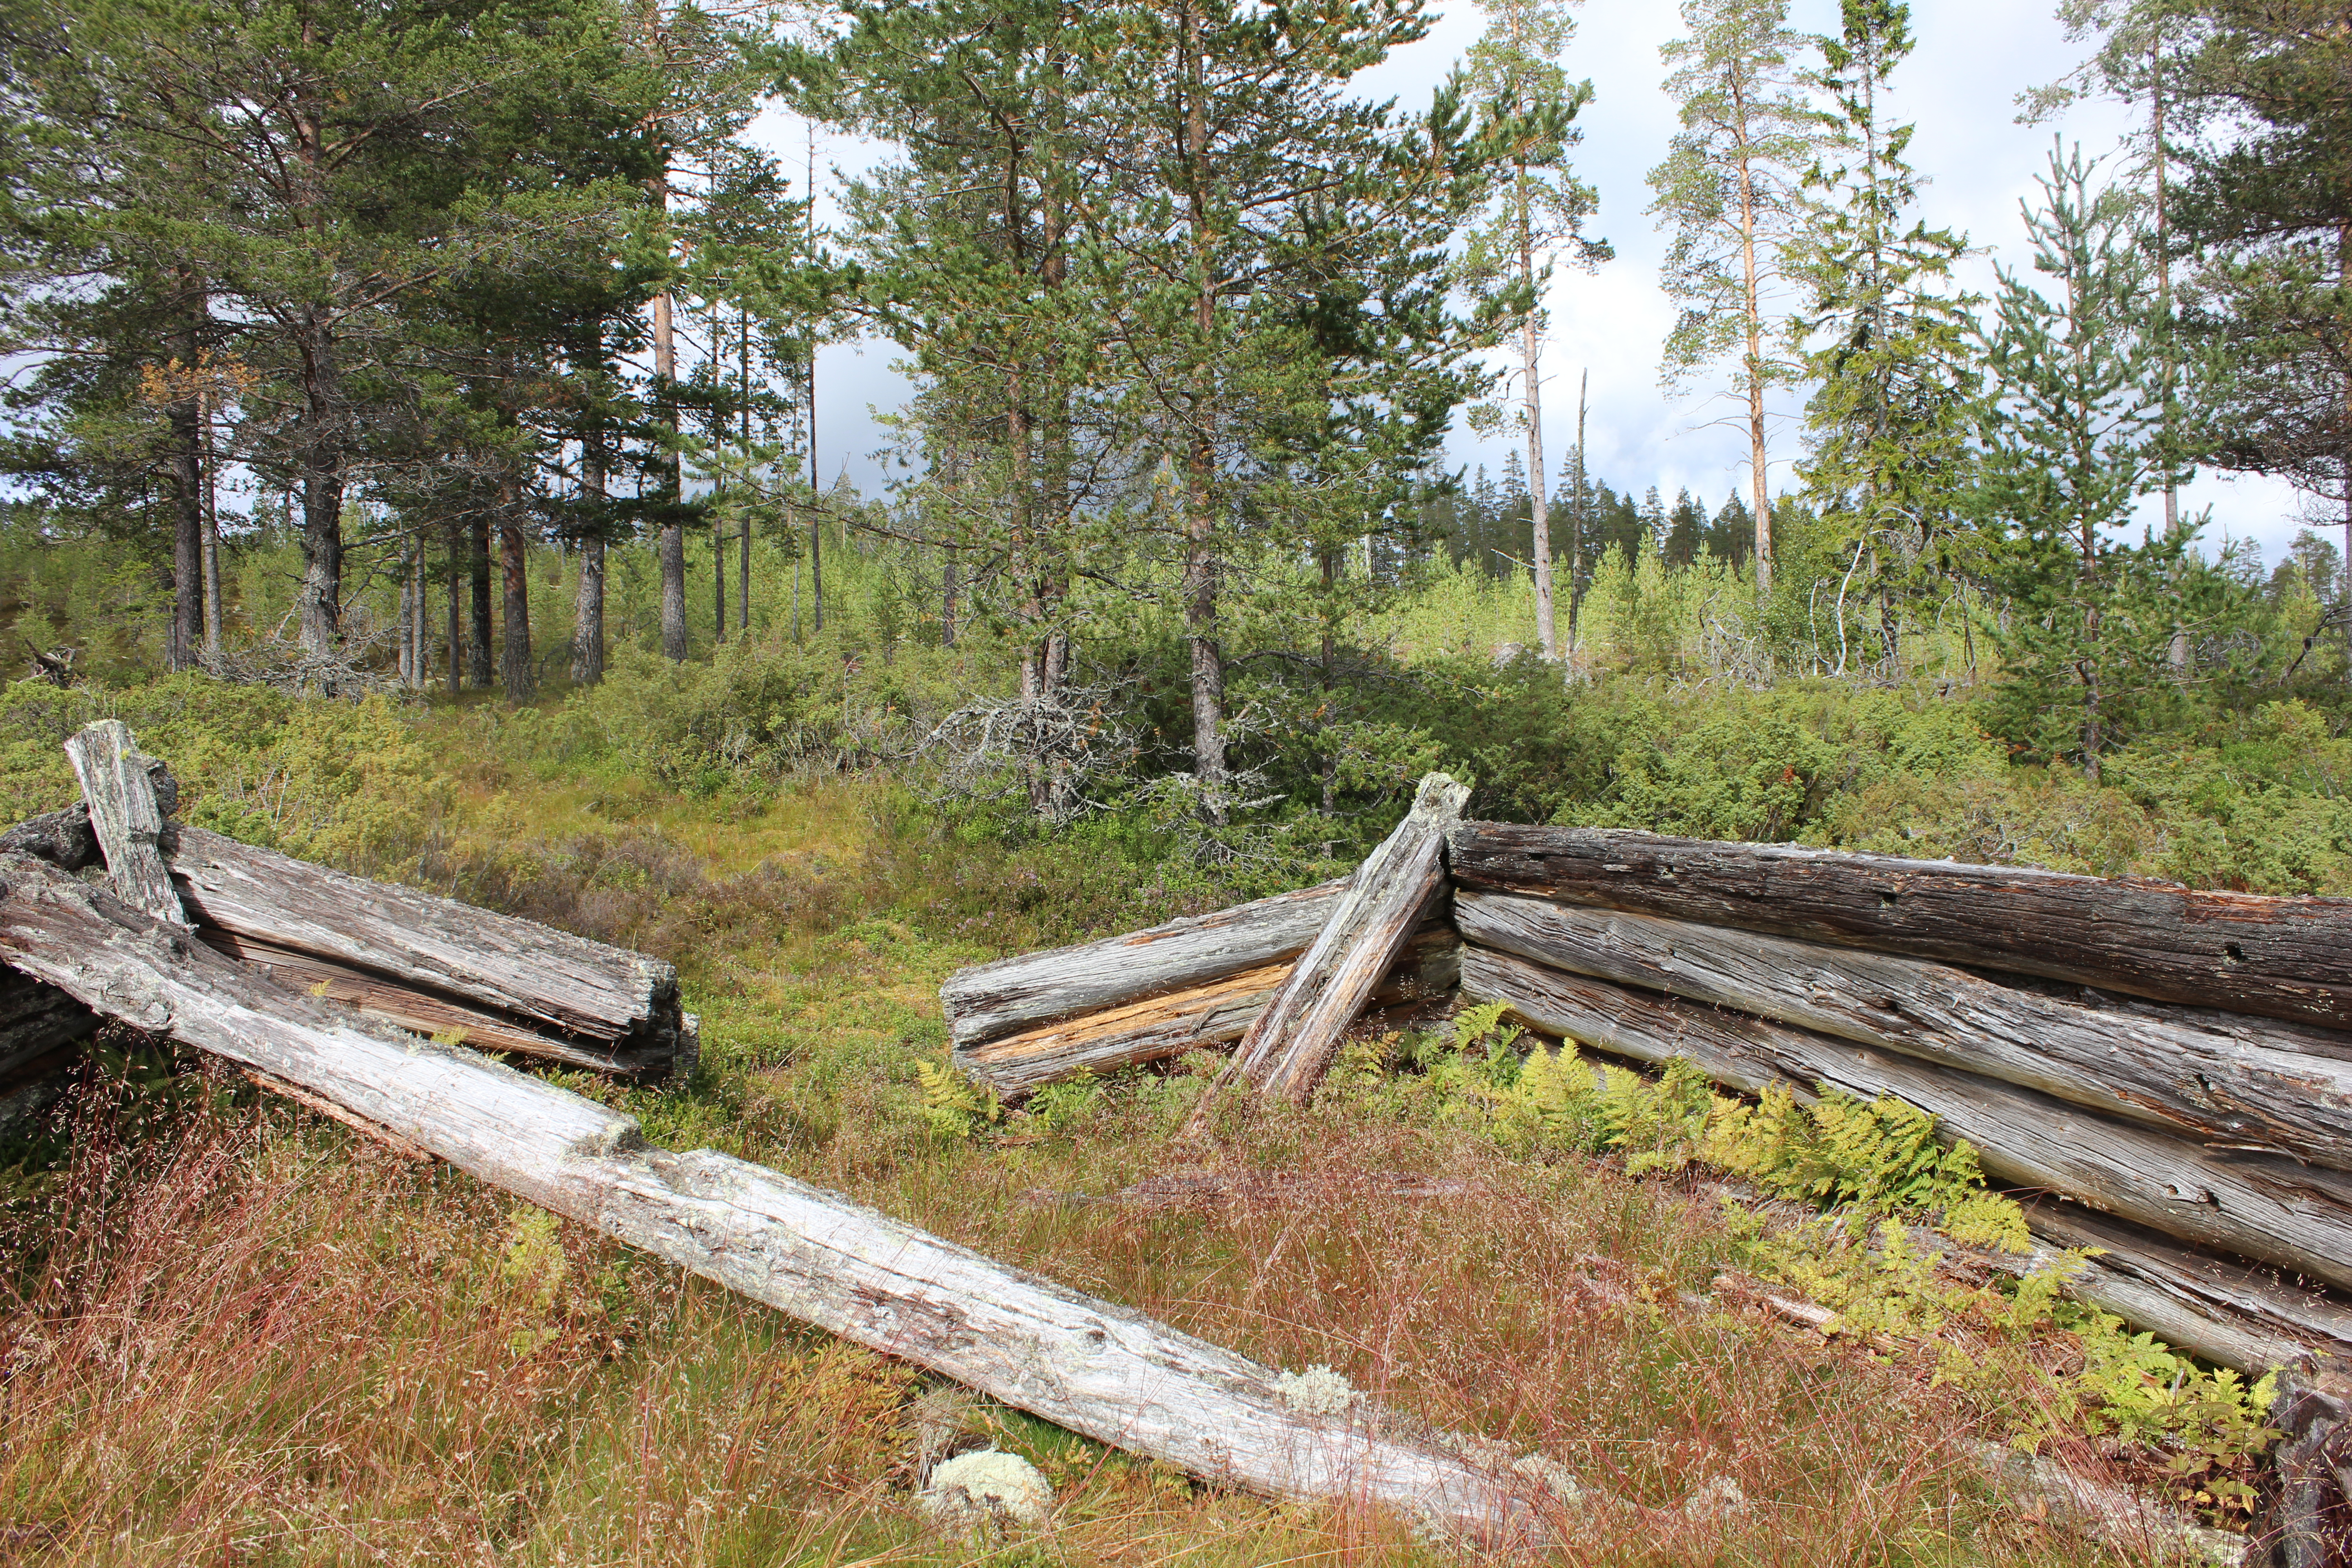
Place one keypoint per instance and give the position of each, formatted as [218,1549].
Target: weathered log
[2222,1085]
[63,838]
[425,1013]
[2260,1207]
[1205,1016]
[2277,957]
[125,816]
[1093,1366]
[35,1020]
[2208,1305]
[1291,1045]
[1012,994]
[549,981]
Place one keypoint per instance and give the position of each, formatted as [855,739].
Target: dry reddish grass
[249,1340]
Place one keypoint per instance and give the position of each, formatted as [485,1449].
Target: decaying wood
[2260,1207]
[35,1020]
[2307,1516]
[125,816]
[2106,1512]
[2276,957]
[2223,1085]
[426,1013]
[1161,1028]
[2211,1307]
[1089,1365]
[992,1000]
[63,838]
[549,981]
[1290,1044]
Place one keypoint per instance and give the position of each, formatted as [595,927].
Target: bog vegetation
[409,436]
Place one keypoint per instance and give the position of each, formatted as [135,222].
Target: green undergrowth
[1492,1239]
[1890,1202]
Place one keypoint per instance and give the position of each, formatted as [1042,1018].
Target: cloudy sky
[1960,86]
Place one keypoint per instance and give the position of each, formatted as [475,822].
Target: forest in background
[470,350]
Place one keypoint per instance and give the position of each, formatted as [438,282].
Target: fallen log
[2210,1307]
[546,981]
[1290,1044]
[2225,1085]
[2276,957]
[2259,1206]
[1093,1366]
[992,1000]
[419,1012]
[1161,1028]
[125,816]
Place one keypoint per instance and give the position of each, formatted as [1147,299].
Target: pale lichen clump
[1318,1391]
[987,1489]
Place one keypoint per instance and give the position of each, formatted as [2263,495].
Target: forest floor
[235,1334]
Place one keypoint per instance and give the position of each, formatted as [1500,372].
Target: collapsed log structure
[2166,1075]
[430,964]
[76,951]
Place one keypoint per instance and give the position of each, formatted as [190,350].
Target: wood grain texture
[2211,1306]
[550,979]
[1205,1016]
[2227,1085]
[125,816]
[2274,957]
[2259,1206]
[426,1013]
[1291,1045]
[1012,995]
[1090,1366]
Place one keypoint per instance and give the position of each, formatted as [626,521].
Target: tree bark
[1291,1045]
[478,574]
[2275,957]
[2260,1207]
[669,537]
[2228,1086]
[187,627]
[514,579]
[320,445]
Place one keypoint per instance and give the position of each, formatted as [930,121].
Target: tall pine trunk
[588,598]
[187,491]
[478,572]
[669,538]
[1752,309]
[1209,772]
[514,573]
[1547,629]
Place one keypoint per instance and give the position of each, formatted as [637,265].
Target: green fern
[952,1107]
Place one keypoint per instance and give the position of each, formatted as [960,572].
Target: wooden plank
[2275,957]
[125,816]
[1090,1366]
[1291,1045]
[2260,1207]
[992,1000]
[1159,1027]
[2223,1084]
[423,1014]
[419,942]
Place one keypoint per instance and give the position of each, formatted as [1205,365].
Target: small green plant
[953,1107]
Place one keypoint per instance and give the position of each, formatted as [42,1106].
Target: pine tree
[1534,218]
[2077,438]
[1729,186]
[1888,340]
